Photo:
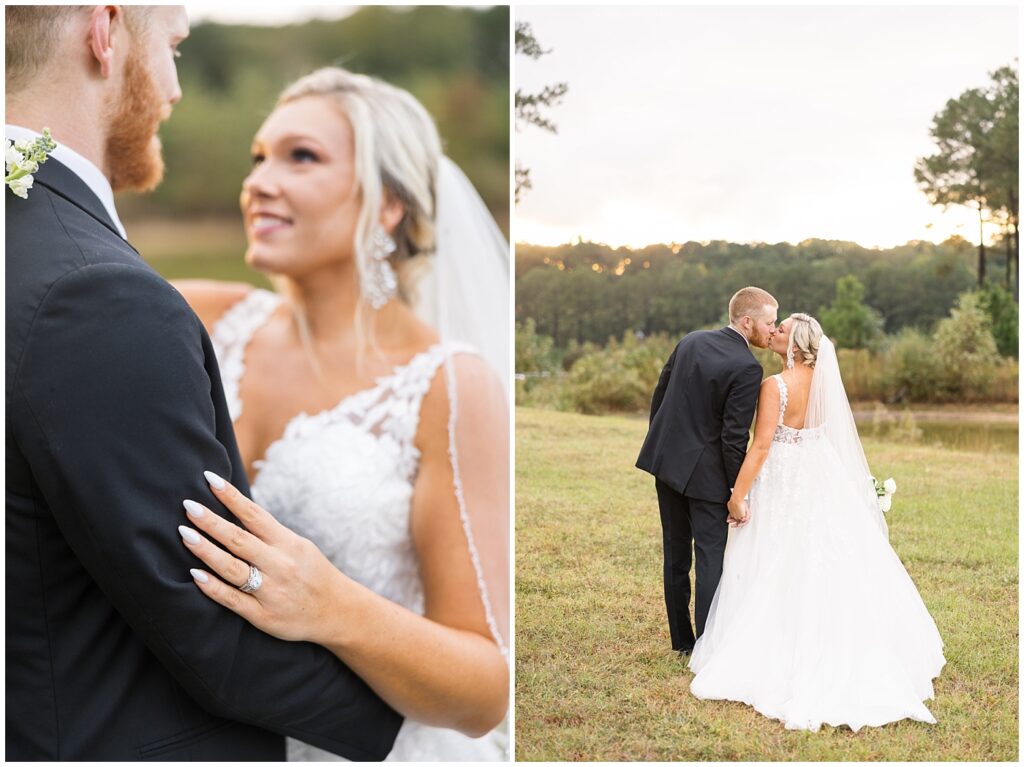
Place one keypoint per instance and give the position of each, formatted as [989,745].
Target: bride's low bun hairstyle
[397,150]
[805,335]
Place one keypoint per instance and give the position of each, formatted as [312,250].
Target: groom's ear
[103,20]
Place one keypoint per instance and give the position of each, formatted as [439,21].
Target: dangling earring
[789,358]
[379,282]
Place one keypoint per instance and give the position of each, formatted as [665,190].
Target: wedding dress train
[815,620]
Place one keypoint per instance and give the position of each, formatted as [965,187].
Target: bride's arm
[209,299]
[442,668]
[764,428]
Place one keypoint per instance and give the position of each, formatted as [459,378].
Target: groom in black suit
[114,410]
[701,413]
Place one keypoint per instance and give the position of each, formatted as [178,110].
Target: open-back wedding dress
[816,620]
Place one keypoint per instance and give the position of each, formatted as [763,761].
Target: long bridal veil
[466,298]
[829,409]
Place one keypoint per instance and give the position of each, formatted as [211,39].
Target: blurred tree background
[455,60]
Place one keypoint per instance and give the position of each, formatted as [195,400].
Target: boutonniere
[23,158]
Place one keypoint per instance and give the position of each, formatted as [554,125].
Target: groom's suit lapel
[62,181]
[737,339]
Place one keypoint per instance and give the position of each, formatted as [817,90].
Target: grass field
[595,677]
[195,248]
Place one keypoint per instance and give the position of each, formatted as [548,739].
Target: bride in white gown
[815,620]
[377,436]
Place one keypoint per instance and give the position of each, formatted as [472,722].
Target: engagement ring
[254,582]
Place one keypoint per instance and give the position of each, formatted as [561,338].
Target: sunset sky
[748,124]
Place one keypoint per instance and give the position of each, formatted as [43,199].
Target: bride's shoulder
[474,383]
[477,390]
[771,390]
[209,299]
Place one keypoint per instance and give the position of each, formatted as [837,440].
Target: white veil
[829,409]
[466,297]
[465,293]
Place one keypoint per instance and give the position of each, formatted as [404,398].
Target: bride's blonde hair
[805,335]
[397,149]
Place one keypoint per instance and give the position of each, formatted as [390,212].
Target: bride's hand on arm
[764,429]
[442,668]
[299,582]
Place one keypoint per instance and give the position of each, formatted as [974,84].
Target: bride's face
[779,342]
[301,201]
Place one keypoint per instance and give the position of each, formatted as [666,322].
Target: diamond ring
[254,582]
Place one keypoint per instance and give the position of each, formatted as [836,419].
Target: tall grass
[621,377]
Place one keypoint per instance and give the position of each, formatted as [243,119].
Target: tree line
[454,60]
[969,357]
[589,292]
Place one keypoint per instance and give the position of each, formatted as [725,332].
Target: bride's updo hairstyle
[397,149]
[805,335]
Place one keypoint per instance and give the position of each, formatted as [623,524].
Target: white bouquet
[884,491]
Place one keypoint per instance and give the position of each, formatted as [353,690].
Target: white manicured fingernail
[193,509]
[200,576]
[215,482]
[190,535]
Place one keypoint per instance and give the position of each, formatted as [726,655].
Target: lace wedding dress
[815,620]
[344,479]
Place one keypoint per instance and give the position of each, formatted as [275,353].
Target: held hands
[292,599]
[739,512]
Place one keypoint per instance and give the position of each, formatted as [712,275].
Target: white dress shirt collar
[81,167]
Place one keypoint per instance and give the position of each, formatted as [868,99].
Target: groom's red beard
[759,339]
[134,158]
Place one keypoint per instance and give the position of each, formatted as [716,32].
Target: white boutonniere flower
[22,158]
[884,491]
[12,156]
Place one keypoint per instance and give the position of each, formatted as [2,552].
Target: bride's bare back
[798,386]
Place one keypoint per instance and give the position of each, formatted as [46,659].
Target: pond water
[955,434]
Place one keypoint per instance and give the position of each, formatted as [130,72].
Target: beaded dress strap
[783,395]
[410,383]
[232,333]
[467,526]
[405,389]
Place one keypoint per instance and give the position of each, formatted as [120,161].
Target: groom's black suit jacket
[114,409]
[701,413]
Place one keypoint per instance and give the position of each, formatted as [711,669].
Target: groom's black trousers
[690,522]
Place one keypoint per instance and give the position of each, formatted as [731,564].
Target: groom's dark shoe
[684,652]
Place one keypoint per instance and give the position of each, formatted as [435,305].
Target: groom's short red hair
[32,34]
[750,302]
